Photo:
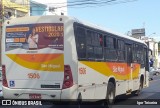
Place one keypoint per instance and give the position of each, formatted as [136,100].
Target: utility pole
[1,12]
[1,24]
[1,17]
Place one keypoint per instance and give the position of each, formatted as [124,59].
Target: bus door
[128,49]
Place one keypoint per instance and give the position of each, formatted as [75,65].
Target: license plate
[35,96]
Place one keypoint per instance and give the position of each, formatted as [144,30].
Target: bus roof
[107,30]
[25,20]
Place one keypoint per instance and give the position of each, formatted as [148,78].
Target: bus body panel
[103,71]
[56,95]
[30,65]
[43,68]
[41,71]
[96,84]
[70,51]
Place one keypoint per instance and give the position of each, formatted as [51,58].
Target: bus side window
[110,51]
[134,54]
[98,48]
[90,45]
[100,40]
[94,46]
[80,43]
[121,50]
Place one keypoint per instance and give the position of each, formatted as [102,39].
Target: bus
[62,58]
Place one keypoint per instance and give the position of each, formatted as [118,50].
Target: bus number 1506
[82,70]
[33,75]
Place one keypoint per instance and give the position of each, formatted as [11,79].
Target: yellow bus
[61,57]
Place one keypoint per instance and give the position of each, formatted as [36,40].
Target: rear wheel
[109,101]
[79,100]
[138,92]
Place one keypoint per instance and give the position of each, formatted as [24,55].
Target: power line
[100,5]
[77,4]
[92,3]
[88,3]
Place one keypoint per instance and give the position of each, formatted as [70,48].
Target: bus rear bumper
[57,95]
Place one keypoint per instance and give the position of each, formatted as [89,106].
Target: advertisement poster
[35,36]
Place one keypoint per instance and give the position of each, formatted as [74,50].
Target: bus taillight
[4,79]
[68,79]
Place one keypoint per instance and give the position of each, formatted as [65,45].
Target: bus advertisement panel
[34,52]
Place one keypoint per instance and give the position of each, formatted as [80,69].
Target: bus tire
[79,100]
[110,96]
[138,92]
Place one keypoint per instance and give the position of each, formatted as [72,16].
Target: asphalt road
[148,99]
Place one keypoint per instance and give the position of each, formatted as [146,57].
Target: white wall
[61,6]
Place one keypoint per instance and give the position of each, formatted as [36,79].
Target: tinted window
[110,48]
[121,50]
[94,45]
[81,43]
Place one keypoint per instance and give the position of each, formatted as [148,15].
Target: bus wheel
[109,101]
[140,88]
[79,100]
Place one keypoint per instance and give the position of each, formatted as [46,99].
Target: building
[54,7]
[18,8]
[37,9]
[12,8]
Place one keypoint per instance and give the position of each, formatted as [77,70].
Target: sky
[123,17]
